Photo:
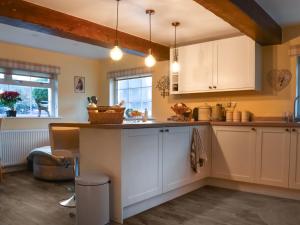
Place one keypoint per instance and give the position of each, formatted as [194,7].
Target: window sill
[28,117]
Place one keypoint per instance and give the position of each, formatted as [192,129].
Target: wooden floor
[26,201]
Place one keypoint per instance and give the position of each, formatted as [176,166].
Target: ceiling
[197,22]
[284,12]
[53,43]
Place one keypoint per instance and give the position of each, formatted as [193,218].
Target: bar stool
[64,144]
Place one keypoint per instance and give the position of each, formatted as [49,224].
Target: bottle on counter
[145,115]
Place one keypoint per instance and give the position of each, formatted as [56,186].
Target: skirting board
[15,168]
[155,201]
[255,188]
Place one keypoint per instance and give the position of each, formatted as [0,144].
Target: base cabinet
[177,170]
[156,161]
[294,177]
[141,165]
[272,156]
[233,153]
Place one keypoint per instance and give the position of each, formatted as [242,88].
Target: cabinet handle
[167,130]
[214,87]
[210,87]
[294,130]
[161,131]
[287,129]
[254,129]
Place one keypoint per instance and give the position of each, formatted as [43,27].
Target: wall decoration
[279,79]
[79,84]
[163,85]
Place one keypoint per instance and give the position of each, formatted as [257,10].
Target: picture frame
[79,84]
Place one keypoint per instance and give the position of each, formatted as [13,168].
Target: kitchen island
[148,163]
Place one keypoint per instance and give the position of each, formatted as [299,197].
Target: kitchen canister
[204,113]
[245,116]
[237,116]
[229,116]
[217,113]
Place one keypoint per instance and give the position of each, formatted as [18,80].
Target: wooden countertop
[132,125]
[158,124]
[256,124]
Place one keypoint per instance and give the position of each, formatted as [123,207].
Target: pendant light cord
[175,46]
[150,28]
[117,25]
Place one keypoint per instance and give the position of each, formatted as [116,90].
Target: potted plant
[9,99]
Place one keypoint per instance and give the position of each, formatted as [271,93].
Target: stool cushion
[49,167]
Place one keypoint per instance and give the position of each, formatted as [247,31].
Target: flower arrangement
[9,99]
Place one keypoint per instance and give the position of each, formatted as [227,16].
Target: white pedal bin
[92,199]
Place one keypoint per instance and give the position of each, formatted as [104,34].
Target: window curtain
[129,73]
[27,66]
[294,50]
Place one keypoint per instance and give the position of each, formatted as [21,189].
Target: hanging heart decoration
[279,79]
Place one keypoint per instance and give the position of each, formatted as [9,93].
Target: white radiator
[17,144]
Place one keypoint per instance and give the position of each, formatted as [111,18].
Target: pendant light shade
[175,67]
[116,53]
[150,61]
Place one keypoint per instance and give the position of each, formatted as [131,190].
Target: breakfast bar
[148,163]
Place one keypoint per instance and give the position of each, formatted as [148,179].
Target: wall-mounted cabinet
[231,64]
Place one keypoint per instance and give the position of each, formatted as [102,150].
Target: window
[135,91]
[297,99]
[38,92]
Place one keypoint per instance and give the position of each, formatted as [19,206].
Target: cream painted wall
[266,102]
[71,106]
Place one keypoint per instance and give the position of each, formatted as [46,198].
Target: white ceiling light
[116,53]
[175,65]
[150,60]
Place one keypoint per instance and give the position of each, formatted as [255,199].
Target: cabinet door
[272,156]
[196,71]
[176,158]
[233,153]
[294,178]
[205,171]
[177,170]
[141,165]
[236,64]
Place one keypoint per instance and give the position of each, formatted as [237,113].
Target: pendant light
[116,53]
[150,60]
[175,67]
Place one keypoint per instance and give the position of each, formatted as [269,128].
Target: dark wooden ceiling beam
[37,18]
[248,17]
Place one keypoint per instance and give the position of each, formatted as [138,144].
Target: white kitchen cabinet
[176,158]
[272,156]
[233,153]
[294,176]
[142,164]
[236,64]
[229,64]
[196,67]
[177,171]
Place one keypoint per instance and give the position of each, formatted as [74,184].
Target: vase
[11,113]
